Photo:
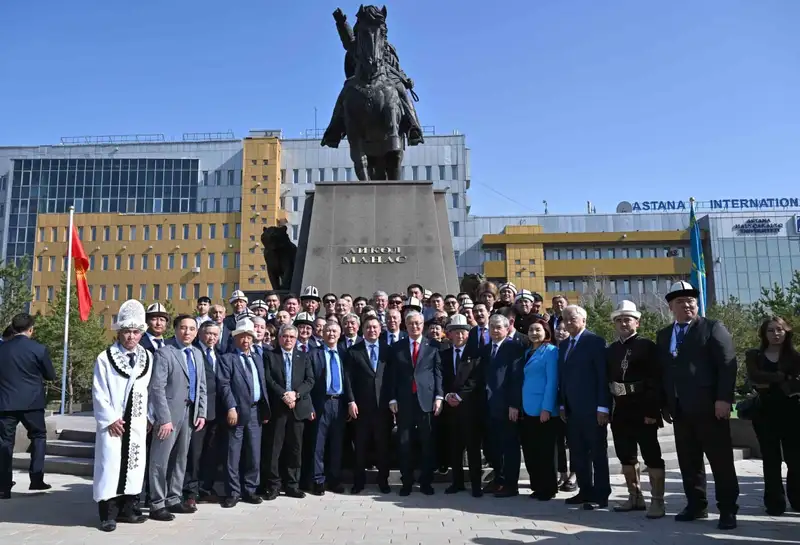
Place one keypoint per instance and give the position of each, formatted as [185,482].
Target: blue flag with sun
[698,275]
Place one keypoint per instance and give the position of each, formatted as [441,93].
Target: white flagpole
[66,318]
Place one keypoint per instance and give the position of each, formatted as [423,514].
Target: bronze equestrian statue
[279,256]
[373,110]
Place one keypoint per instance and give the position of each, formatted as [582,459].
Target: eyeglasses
[396,302]
[329,301]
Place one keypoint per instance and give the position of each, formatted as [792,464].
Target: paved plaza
[67,515]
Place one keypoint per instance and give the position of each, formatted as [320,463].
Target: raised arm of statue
[344,29]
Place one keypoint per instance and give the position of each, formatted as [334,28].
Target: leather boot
[635,501]
[657,482]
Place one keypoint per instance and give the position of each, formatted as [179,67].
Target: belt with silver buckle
[624,388]
[334,396]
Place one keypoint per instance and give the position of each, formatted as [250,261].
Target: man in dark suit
[329,397]
[243,395]
[699,362]
[560,302]
[479,335]
[157,319]
[369,380]
[290,379]
[463,410]
[417,397]
[224,340]
[24,366]
[502,439]
[351,323]
[393,332]
[513,334]
[204,448]
[585,405]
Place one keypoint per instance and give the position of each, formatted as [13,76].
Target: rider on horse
[348,36]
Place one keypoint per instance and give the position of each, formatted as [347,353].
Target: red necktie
[303,347]
[414,355]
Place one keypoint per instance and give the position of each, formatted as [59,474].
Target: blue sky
[564,100]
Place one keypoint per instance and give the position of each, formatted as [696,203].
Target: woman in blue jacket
[539,374]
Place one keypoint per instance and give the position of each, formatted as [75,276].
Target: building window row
[658,285]
[614,253]
[346,174]
[145,262]
[150,292]
[124,233]
[221,177]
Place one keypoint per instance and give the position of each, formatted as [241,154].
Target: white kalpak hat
[131,316]
[236,295]
[258,303]
[244,327]
[626,308]
[681,289]
[458,321]
[508,286]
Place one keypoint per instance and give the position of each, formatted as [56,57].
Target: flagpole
[66,317]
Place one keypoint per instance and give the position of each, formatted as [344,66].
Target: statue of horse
[371,109]
[279,256]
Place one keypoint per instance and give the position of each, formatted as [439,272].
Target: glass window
[145,262]
[49,293]
[184,261]
[159,232]
[348,174]
[653,252]
[131,264]
[156,291]
[283,175]
[556,255]
[171,261]
[415,173]
[204,178]
[197,259]
[455,200]
[236,261]
[169,291]
[570,285]
[217,177]
[39,261]
[570,254]
[185,231]
[93,233]
[296,176]
[172,231]
[133,232]
[117,262]
[199,232]
[129,291]
[441,172]
[557,285]
[143,291]
[115,292]
[654,285]
[584,254]
[309,176]
[106,233]
[639,253]
[321,174]
[210,291]
[429,173]
[296,203]
[454,172]
[105,263]
[225,260]
[612,286]
[640,286]
[196,291]
[146,232]
[626,286]
[157,264]
[211,259]
[611,254]
[456,229]
[226,230]
[294,232]
[120,236]
[212,231]
[223,291]
[102,293]
[238,230]
[183,291]
[231,176]
[625,255]
[597,254]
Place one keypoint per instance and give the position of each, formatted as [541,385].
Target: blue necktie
[287,368]
[349,343]
[336,383]
[680,335]
[494,350]
[211,360]
[160,343]
[569,348]
[373,357]
[256,381]
[192,373]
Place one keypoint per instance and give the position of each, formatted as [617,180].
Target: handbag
[746,408]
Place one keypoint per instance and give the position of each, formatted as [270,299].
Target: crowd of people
[279,392]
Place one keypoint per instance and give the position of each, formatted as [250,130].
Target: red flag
[81,266]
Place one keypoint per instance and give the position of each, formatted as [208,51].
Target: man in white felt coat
[119,395]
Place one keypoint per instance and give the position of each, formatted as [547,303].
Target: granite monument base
[359,237]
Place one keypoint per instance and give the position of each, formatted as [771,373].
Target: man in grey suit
[177,406]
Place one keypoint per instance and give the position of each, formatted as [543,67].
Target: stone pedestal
[358,237]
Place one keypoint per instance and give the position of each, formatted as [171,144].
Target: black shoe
[688,515]
[181,509]
[318,489]
[577,499]
[271,494]
[405,491]
[108,525]
[162,515]
[505,492]
[568,486]
[587,506]
[542,497]
[253,500]
[336,488]
[5,495]
[775,511]
[356,490]
[454,489]
[295,493]
[477,492]
[131,519]
[727,521]
[492,487]
[384,487]
[40,486]
[427,490]
[443,470]
[229,502]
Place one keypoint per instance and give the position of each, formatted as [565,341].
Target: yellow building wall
[647,266]
[50,250]
[261,184]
